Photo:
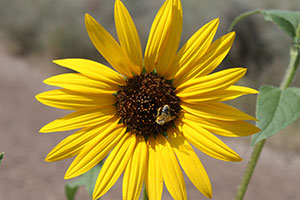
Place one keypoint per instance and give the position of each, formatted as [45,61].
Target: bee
[163,115]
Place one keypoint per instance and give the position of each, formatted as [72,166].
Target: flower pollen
[147,104]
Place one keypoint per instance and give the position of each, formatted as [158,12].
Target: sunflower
[145,115]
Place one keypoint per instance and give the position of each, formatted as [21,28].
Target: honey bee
[163,115]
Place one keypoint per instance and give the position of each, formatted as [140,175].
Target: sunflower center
[147,104]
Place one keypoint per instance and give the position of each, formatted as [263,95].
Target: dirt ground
[25,175]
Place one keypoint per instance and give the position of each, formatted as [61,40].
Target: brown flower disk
[139,100]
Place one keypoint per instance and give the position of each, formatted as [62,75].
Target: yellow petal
[96,150]
[114,165]
[135,171]
[169,49]
[210,60]
[234,92]
[193,50]
[216,81]
[153,178]
[207,142]
[71,145]
[216,110]
[224,128]
[69,100]
[151,50]
[79,83]
[80,119]
[229,129]
[190,162]
[170,169]
[92,70]
[107,46]
[164,37]
[229,93]
[128,36]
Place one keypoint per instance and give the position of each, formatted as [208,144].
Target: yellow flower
[147,115]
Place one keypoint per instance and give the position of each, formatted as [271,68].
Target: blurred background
[34,32]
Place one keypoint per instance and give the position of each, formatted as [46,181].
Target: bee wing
[166,109]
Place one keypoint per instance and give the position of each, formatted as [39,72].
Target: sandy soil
[24,174]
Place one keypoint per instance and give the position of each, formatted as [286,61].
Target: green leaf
[288,21]
[275,110]
[70,191]
[88,180]
[1,156]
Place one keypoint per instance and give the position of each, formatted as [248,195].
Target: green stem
[292,69]
[1,156]
[249,170]
[145,196]
[286,82]
[242,16]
